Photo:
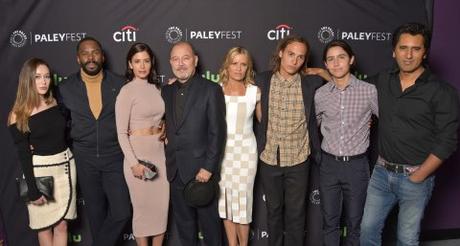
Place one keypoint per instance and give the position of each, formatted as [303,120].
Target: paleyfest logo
[173,34]
[280,32]
[126,34]
[18,39]
[326,34]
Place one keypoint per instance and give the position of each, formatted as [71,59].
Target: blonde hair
[223,73]
[27,97]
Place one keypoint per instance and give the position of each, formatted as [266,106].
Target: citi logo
[127,34]
[280,32]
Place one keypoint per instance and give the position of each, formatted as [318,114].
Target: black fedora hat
[199,194]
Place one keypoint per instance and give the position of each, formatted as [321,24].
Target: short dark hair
[88,38]
[276,60]
[136,48]
[413,29]
[338,43]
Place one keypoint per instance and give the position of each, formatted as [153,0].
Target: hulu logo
[74,238]
[210,76]
[57,79]
[360,76]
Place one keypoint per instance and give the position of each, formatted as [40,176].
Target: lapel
[307,96]
[108,93]
[172,106]
[192,97]
[265,91]
[84,101]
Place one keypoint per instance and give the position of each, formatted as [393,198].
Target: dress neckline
[44,110]
[245,91]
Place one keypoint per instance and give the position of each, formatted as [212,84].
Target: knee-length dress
[240,159]
[50,157]
[139,105]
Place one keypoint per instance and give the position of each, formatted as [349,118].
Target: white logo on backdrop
[325,34]
[173,34]
[18,39]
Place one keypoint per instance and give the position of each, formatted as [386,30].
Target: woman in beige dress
[240,159]
[139,111]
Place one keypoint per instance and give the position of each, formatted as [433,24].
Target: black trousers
[342,184]
[189,219]
[106,196]
[285,191]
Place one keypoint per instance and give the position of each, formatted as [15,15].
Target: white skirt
[62,167]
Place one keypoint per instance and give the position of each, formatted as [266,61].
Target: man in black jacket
[89,96]
[287,140]
[196,133]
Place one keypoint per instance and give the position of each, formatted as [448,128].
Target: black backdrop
[50,30]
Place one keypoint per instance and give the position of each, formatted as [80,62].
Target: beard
[91,71]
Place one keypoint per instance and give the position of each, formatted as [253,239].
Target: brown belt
[145,132]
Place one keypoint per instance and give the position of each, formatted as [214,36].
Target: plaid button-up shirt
[287,125]
[344,116]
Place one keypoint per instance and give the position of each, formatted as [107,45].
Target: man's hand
[416,177]
[162,134]
[323,73]
[203,175]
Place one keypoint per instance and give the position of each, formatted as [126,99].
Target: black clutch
[151,171]
[44,184]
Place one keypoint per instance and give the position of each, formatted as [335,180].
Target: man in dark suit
[287,140]
[88,97]
[196,133]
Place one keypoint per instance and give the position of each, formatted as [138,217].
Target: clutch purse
[44,184]
[151,170]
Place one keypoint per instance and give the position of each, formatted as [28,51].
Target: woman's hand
[138,171]
[40,201]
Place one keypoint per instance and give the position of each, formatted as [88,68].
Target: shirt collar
[352,82]
[421,79]
[184,85]
[288,82]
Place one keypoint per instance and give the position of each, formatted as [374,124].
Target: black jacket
[90,136]
[309,86]
[198,140]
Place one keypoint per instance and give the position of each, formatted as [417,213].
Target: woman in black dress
[38,130]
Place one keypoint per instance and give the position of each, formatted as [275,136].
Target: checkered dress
[240,160]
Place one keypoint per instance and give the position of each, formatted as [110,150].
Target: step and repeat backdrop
[51,29]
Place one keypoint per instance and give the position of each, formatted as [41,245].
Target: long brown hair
[223,73]
[282,44]
[27,97]
[136,48]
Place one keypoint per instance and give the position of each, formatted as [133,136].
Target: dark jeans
[106,196]
[285,191]
[342,184]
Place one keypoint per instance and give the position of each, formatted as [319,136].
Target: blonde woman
[38,130]
[240,160]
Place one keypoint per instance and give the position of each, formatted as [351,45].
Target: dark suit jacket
[309,86]
[90,136]
[198,140]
